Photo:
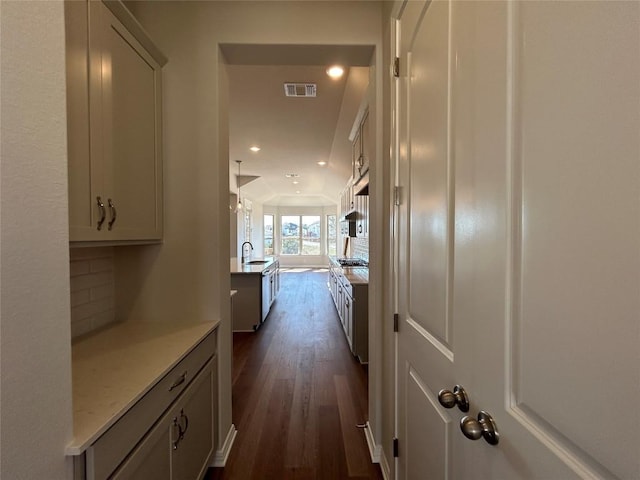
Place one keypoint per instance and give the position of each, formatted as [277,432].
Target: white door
[519,237]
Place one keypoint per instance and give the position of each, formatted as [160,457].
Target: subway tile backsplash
[92,289]
[360,248]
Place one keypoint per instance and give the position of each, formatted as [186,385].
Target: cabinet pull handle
[179,381]
[186,423]
[114,213]
[103,212]
[177,441]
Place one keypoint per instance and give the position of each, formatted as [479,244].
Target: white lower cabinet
[351,302]
[192,430]
[179,446]
[150,459]
[168,434]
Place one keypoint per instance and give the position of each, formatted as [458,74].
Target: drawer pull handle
[179,381]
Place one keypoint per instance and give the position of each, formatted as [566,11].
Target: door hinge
[396,321]
[395,448]
[396,196]
[396,67]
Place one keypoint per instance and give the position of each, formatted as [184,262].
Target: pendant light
[239,204]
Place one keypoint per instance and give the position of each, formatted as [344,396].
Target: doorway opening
[297,154]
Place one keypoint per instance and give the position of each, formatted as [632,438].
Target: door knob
[449,399]
[484,427]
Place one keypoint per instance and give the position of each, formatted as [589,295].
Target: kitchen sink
[257,262]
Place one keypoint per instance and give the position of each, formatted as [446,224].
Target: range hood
[351,216]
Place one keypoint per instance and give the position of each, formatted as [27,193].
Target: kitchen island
[257,282]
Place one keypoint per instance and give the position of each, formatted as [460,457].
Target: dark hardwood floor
[298,393]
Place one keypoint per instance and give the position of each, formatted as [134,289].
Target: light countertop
[114,368]
[356,275]
[237,266]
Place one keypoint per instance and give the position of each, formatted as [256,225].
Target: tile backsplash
[92,289]
[360,248]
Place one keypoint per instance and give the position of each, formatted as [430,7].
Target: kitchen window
[300,235]
[332,239]
[268,234]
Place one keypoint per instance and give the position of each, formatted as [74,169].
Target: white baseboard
[377,453]
[374,450]
[222,455]
[384,466]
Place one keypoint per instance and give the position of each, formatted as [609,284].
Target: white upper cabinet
[361,148]
[114,96]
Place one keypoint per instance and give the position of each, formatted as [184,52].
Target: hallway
[298,393]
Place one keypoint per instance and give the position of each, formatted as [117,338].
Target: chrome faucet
[242,248]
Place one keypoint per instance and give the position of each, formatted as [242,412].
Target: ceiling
[293,133]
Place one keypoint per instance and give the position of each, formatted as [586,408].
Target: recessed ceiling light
[322,164]
[335,71]
[295,182]
[297,191]
[255,148]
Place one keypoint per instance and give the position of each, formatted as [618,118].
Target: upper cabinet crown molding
[123,14]
[114,115]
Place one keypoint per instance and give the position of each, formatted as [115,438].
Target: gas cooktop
[353,262]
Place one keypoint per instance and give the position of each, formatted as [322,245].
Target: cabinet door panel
[365,145]
[131,128]
[151,458]
[114,129]
[84,174]
[190,458]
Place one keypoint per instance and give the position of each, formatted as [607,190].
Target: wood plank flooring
[298,393]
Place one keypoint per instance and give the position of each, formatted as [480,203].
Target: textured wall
[35,351]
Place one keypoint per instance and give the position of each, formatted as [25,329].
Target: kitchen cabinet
[361,148]
[347,212]
[114,114]
[347,203]
[362,216]
[350,292]
[181,443]
[130,423]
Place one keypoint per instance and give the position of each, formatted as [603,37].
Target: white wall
[35,349]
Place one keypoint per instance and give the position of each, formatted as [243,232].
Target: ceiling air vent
[300,89]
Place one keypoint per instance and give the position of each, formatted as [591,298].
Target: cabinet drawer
[169,452]
[115,444]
